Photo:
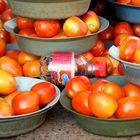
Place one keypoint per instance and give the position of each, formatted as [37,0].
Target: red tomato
[74,26]
[128,48]
[26,31]
[47,28]
[76,85]
[136,2]
[6,15]
[80,103]
[128,107]
[12,54]
[2,47]
[124,1]
[88,56]
[120,69]
[25,102]
[4,34]
[137,56]
[46,92]
[107,35]
[136,29]
[98,48]
[2,6]
[120,38]
[102,105]
[131,90]
[92,21]
[114,90]
[122,27]
[24,22]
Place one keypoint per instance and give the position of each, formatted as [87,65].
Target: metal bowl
[131,70]
[49,9]
[45,46]
[19,124]
[128,13]
[104,127]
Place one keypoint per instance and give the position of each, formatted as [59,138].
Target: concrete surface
[60,125]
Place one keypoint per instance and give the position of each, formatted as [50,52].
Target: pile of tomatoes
[71,27]
[131,2]
[18,102]
[103,98]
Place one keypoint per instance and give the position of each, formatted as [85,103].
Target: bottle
[62,66]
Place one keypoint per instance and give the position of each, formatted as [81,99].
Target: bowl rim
[63,93]
[102,28]
[38,112]
[114,52]
[123,5]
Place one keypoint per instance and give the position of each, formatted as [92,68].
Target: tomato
[46,92]
[2,47]
[122,27]
[137,56]
[2,100]
[24,22]
[1,24]
[102,105]
[2,6]
[74,26]
[24,57]
[98,48]
[88,56]
[6,15]
[47,28]
[6,110]
[128,107]
[131,90]
[136,29]
[12,38]
[76,85]
[128,48]
[120,38]
[136,2]
[10,97]
[98,85]
[32,68]
[4,35]
[107,35]
[59,36]
[25,102]
[12,54]
[80,103]
[8,82]
[105,59]
[114,90]
[26,31]
[10,65]
[124,1]
[120,69]
[92,21]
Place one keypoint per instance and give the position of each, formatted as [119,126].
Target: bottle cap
[101,69]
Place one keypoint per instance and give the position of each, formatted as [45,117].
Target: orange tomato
[128,107]
[4,35]
[131,90]
[98,48]
[10,65]
[59,36]
[2,47]
[102,105]
[8,82]
[6,110]
[2,100]
[12,54]
[92,21]
[80,103]
[24,57]
[137,56]
[124,1]
[136,2]
[32,68]
[25,102]
[74,26]
[88,56]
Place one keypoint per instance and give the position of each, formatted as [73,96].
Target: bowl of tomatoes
[25,110]
[40,42]
[126,11]
[88,105]
[43,9]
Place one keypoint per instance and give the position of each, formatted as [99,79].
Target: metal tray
[49,9]
[45,46]
[19,124]
[104,127]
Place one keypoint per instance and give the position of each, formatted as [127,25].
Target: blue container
[128,13]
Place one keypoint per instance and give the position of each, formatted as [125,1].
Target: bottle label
[62,67]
